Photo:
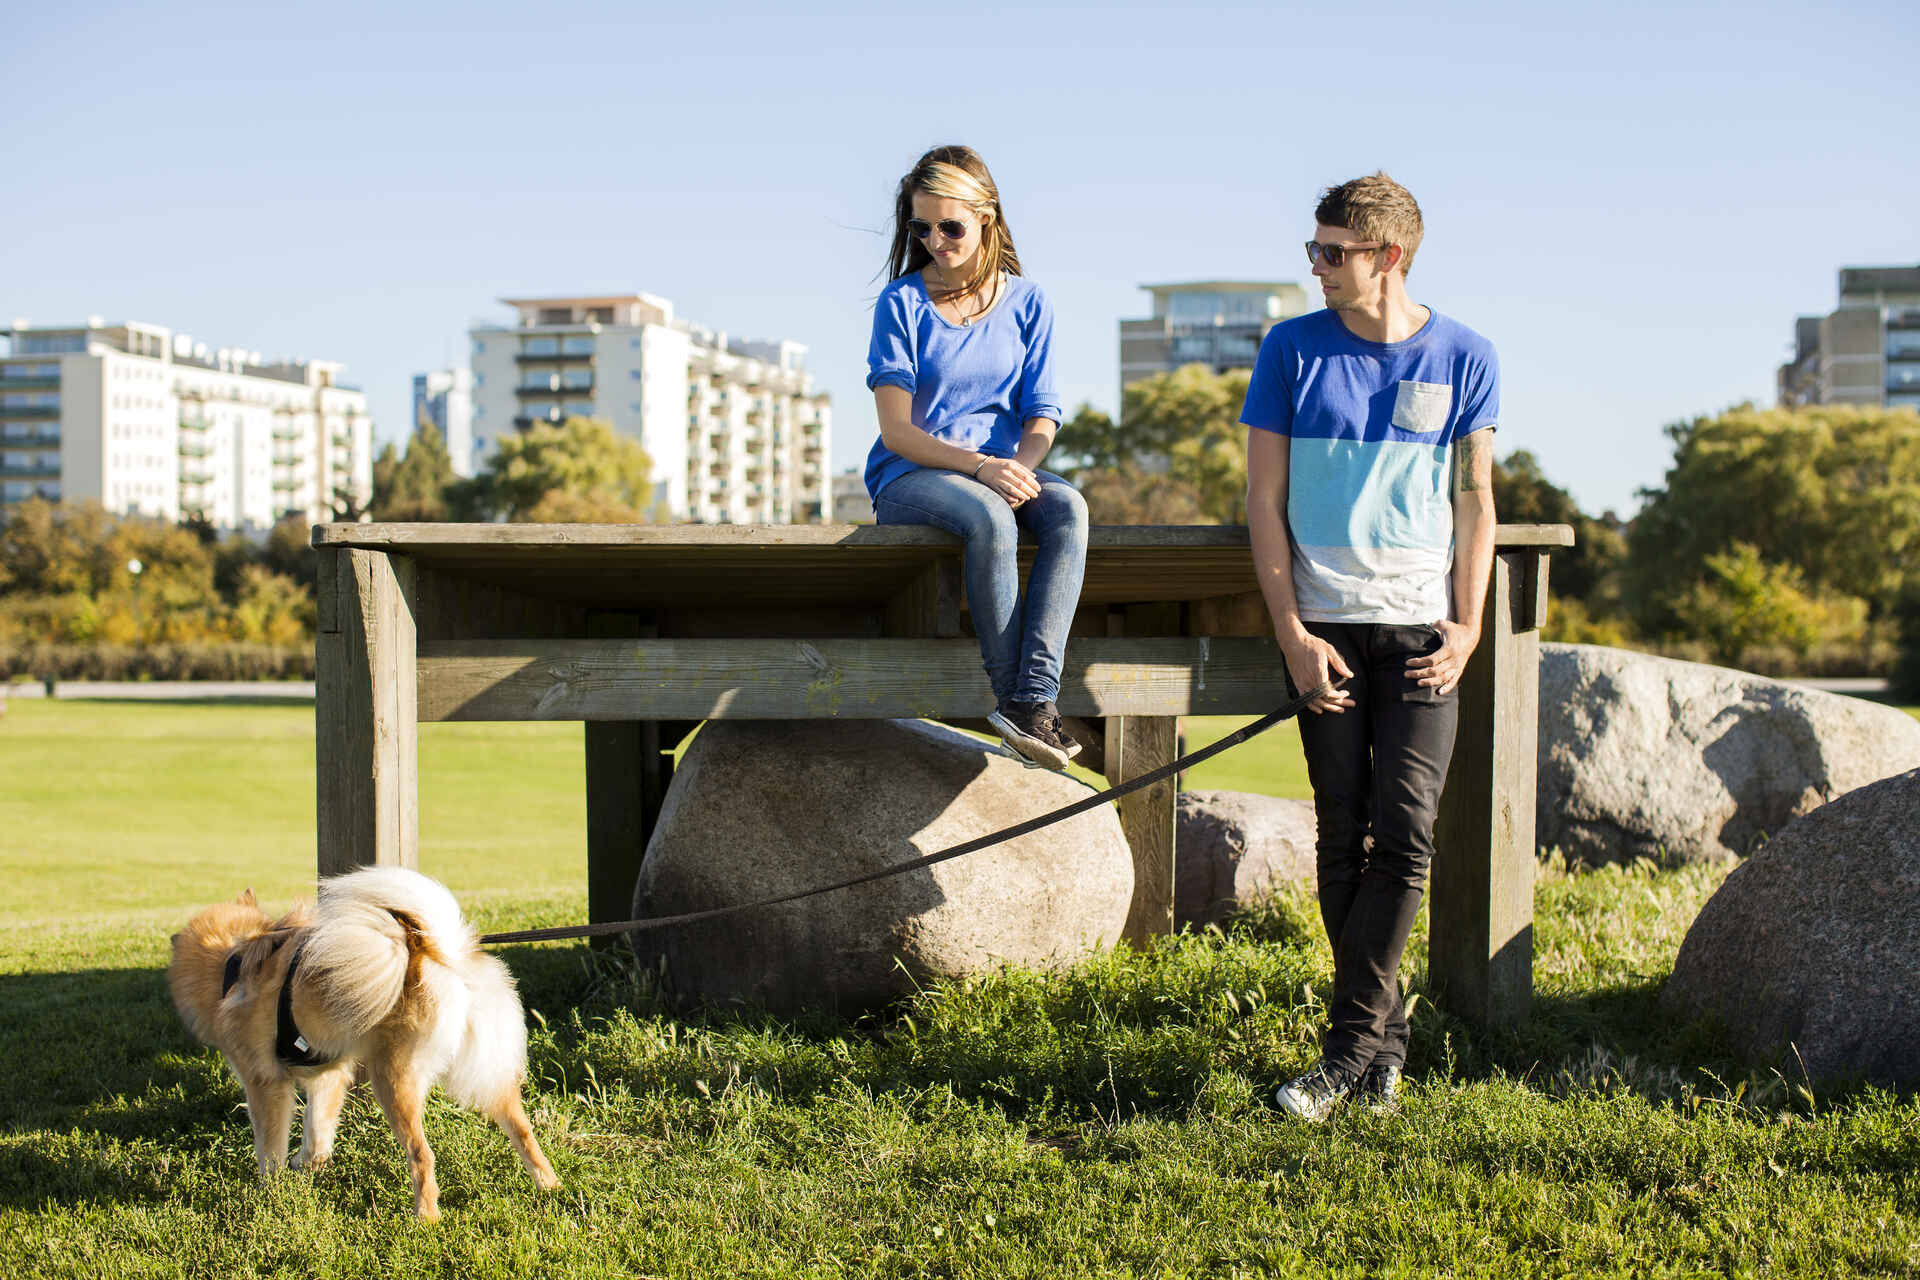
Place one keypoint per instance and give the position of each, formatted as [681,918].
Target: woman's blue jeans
[1021,648]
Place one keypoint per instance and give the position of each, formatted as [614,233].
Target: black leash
[1147,779]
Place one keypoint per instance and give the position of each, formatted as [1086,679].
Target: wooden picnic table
[643,631]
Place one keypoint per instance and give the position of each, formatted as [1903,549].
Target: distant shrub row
[228,661]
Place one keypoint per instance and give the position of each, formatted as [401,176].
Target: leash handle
[1234,739]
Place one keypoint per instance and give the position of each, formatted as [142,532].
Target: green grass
[1111,1120]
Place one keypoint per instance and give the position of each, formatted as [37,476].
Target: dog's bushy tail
[371,931]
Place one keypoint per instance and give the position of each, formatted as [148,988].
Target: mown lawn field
[1114,1120]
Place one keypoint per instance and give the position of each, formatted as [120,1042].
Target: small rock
[1233,848]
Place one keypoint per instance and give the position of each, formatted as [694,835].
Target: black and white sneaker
[1379,1088]
[1050,719]
[1029,734]
[1314,1095]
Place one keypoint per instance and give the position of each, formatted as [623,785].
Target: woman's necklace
[959,303]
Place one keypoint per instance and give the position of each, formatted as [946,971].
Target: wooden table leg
[623,793]
[365,712]
[1480,950]
[1137,745]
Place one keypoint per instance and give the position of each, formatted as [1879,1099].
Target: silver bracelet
[984,460]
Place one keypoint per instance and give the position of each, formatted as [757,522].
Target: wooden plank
[1142,744]
[366,749]
[679,679]
[1480,953]
[421,537]
[669,566]
[618,753]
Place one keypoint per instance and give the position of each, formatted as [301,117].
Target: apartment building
[444,397]
[735,429]
[147,421]
[1865,351]
[1218,323]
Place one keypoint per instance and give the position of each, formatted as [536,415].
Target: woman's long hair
[953,173]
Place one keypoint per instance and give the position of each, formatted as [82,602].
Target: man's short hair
[1376,208]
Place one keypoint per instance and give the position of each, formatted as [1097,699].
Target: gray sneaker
[1379,1088]
[1314,1095]
[1029,735]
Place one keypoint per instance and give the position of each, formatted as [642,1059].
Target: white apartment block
[146,421]
[444,397]
[735,430]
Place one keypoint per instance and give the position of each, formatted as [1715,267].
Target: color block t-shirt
[975,386]
[1371,429]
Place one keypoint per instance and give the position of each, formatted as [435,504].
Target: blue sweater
[973,386]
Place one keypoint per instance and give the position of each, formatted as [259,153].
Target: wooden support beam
[1480,950]
[674,679]
[1137,745]
[929,605]
[621,756]
[366,728]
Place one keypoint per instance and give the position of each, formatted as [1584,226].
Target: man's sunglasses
[951,228]
[1335,255]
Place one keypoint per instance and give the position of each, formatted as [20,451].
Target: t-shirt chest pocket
[1422,406]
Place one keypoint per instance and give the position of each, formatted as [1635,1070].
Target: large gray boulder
[758,809]
[1680,762]
[1233,848]
[1814,942]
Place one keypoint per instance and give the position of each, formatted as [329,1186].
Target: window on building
[1193,308]
[540,347]
[578,345]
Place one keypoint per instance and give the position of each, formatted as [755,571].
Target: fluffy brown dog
[382,976]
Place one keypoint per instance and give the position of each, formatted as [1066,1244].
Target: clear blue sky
[1632,200]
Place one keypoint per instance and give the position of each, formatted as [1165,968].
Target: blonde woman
[961,370]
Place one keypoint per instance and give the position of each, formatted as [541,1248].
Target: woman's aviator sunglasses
[1336,254]
[951,228]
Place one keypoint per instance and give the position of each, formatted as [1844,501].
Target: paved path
[1843,684]
[165,689]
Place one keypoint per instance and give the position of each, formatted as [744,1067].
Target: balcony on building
[194,449]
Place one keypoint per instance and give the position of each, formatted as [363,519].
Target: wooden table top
[811,565]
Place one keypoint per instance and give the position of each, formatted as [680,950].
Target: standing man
[1370,503]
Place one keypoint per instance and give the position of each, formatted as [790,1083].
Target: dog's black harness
[289,1045]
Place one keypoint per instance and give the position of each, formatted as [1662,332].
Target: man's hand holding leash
[1311,662]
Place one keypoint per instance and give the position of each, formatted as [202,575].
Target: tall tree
[413,487]
[1833,492]
[1589,571]
[1181,427]
[584,458]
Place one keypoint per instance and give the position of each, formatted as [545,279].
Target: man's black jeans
[1377,769]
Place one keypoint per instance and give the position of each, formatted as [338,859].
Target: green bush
[231,661]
